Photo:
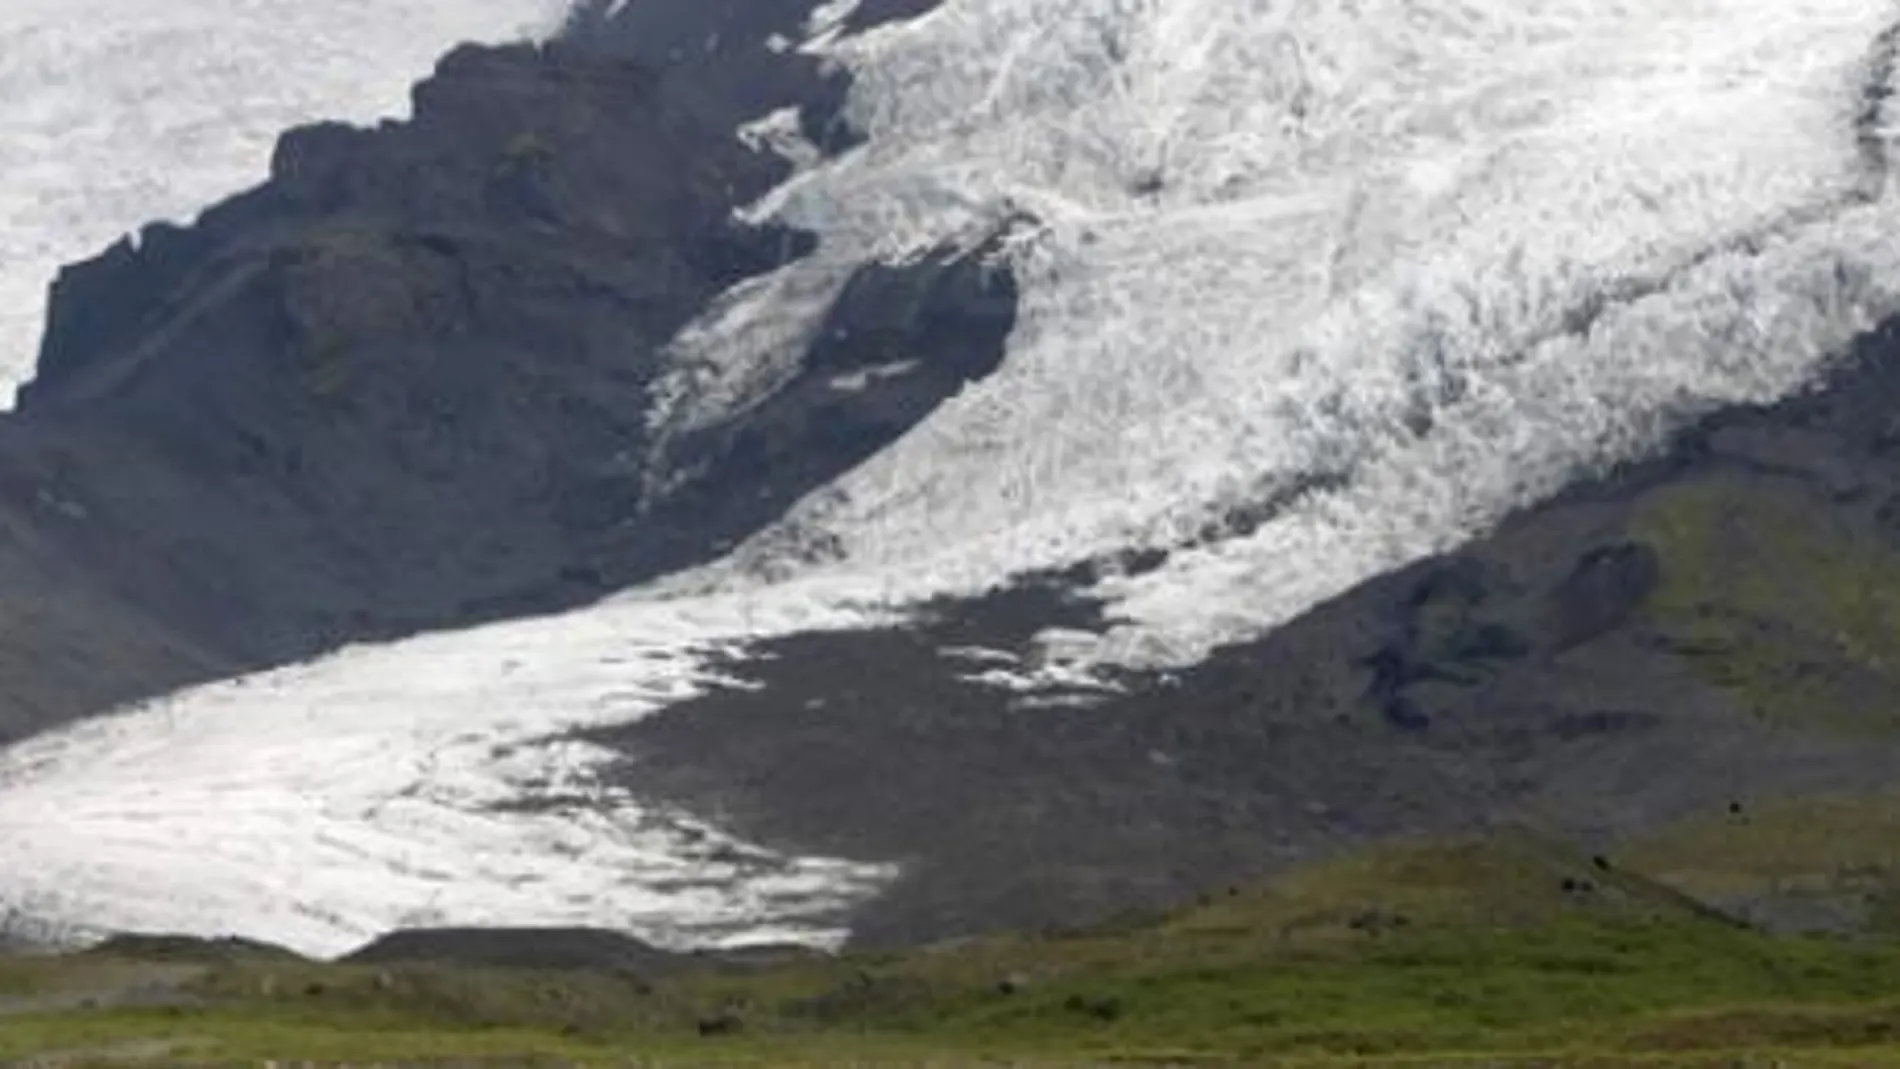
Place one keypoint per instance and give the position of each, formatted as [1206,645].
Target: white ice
[1297,238]
[411,785]
[1281,240]
[114,113]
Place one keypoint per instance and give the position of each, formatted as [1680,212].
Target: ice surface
[1394,266]
[114,113]
[1429,257]
[414,784]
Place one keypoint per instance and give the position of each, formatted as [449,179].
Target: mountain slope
[408,382]
[1710,627]
[1315,290]
[975,435]
[1514,952]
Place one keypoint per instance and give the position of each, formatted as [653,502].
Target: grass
[1823,858]
[1792,608]
[1509,952]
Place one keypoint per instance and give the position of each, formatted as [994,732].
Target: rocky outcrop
[1714,626]
[410,381]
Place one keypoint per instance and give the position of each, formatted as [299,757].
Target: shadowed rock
[1719,617]
[409,382]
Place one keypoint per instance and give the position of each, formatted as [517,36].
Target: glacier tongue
[424,784]
[116,112]
[1430,258]
[1368,272]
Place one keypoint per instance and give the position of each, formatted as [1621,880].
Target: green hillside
[1510,952]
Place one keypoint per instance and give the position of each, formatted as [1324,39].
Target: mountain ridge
[405,384]
[1582,668]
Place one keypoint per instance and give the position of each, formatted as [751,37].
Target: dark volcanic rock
[409,382]
[1606,589]
[866,380]
[1722,617]
[585,949]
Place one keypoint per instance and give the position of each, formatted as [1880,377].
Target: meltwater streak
[114,113]
[1427,260]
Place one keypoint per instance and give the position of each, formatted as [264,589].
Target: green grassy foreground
[1513,952]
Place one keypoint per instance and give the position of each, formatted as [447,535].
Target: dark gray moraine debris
[1562,671]
[405,384]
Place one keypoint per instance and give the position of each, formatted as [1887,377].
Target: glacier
[414,785]
[1395,267]
[116,113]
[1411,264]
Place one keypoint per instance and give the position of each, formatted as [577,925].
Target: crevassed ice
[418,784]
[117,112]
[1431,254]
[1434,254]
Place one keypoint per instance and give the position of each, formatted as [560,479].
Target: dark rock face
[408,382]
[1723,618]
[1607,587]
[863,385]
[719,59]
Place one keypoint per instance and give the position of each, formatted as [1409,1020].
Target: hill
[1509,952]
